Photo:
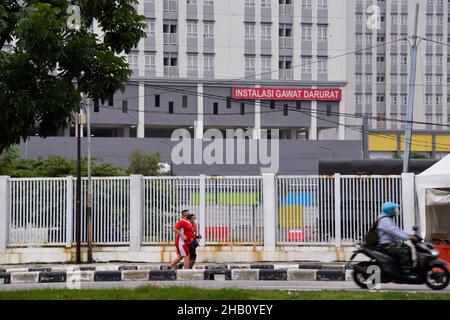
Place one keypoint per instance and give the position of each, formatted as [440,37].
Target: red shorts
[182,248]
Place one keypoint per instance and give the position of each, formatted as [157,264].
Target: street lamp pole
[89,193]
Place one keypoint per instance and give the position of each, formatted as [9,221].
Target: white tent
[433,200]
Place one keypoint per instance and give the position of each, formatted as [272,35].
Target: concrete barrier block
[40,269]
[15,270]
[285,266]
[330,275]
[134,275]
[301,275]
[107,268]
[313,266]
[108,276]
[162,275]
[24,277]
[348,275]
[5,278]
[333,266]
[262,266]
[245,274]
[190,275]
[149,267]
[80,276]
[85,268]
[50,277]
[272,275]
[123,268]
[238,266]
[215,273]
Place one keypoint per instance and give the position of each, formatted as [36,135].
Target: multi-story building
[197,53]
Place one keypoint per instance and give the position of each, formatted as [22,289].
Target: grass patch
[192,293]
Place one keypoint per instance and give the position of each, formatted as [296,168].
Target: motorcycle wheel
[360,277]
[437,278]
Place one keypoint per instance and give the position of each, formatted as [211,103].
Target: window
[209,30]
[404,59]
[439,19]
[322,4]
[192,30]
[404,99]
[192,2]
[125,106]
[306,4]
[306,32]
[439,60]
[322,33]
[404,20]
[215,108]
[149,60]
[242,108]
[150,28]
[285,110]
[359,18]
[299,105]
[368,79]
[394,19]
[228,102]
[404,79]
[208,2]
[438,99]
[266,64]
[358,78]
[358,58]
[184,101]
[429,20]
[368,59]
[429,59]
[250,3]
[192,62]
[133,60]
[368,39]
[249,31]
[393,100]
[171,107]
[358,99]
[157,100]
[250,64]
[265,31]
[306,64]
[429,99]
[266,3]
[439,79]
[272,104]
[208,62]
[429,79]
[358,38]
[328,110]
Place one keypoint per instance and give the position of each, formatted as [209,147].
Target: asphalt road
[251,285]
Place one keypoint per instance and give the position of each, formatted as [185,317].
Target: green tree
[54,166]
[146,164]
[52,63]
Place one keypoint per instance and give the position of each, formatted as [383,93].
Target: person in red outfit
[194,243]
[183,230]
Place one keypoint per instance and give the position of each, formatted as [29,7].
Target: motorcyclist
[390,236]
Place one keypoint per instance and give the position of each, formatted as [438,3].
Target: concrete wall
[296,156]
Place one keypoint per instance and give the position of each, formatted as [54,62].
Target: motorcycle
[428,268]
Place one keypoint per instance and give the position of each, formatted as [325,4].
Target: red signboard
[306,94]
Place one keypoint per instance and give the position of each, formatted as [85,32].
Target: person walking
[194,243]
[183,230]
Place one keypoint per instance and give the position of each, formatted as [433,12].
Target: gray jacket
[388,232]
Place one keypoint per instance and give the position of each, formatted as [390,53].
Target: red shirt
[185,227]
[194,232]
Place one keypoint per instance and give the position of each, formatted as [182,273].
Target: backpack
[371,237]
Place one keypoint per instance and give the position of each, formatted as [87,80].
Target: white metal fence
[309,210]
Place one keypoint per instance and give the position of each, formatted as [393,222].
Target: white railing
[234,212]
[305,210]
[170,39]
[285,74]
[285,9]
[163,199]
[171,71]
[37,211]
[110,210]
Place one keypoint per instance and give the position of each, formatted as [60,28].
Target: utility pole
[89,191]
[80,121]
[411,93]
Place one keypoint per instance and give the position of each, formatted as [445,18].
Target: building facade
[198,52]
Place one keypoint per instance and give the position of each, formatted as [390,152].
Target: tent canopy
[433,199]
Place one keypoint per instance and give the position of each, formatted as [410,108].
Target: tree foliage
[52,63]
[146,164]
[54,166]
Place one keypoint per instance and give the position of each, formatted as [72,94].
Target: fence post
[4,213]
[69,211]
[337,209]
[202,209]
[269,207]
[408,201]
[136,212]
